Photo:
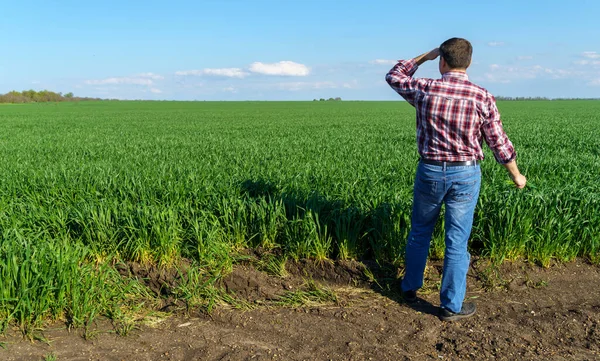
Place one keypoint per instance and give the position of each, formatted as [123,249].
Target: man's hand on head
[433,54]
[430,55]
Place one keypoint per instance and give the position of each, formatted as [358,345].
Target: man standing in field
[453,115]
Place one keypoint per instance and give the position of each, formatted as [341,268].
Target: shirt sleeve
[401,80]
[494,134]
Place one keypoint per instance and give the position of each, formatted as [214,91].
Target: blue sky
[291,49]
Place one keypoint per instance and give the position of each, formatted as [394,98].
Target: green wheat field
[84,186]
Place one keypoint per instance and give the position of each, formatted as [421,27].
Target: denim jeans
[458,189]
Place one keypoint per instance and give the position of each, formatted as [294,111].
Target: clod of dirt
[516,285]
[251,285]
[160,280]
[341,273]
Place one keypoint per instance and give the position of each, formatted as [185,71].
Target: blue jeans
[458,189]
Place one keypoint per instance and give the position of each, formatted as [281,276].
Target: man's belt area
[450,164]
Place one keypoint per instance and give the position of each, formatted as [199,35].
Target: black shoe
[468,310]
[409,296]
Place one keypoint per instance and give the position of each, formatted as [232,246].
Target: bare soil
[524,312]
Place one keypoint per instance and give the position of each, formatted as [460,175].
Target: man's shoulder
[481,91]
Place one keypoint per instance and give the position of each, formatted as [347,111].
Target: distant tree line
[43,96]
[539,98]
[338,99]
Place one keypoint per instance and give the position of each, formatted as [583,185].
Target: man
[453,116]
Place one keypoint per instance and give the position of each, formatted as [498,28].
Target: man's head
[455,54]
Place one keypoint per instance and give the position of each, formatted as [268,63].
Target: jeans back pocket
[463,191]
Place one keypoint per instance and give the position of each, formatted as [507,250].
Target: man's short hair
[457,53]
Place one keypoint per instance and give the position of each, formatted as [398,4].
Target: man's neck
[457,70]
[456,73]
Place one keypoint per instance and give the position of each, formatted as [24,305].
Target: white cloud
[224,72]
[325,85]
[121,80]
[587,62]
[591,55]
[146,79]
[295,86]
[383,62]
[496,43]
[506,74]
[494,78]
[230,89]
[155,91]
[561,73]
[319,85]
[283,68]
[304,85]
[189,72]
[589,59]
[351,85]
[524,57]
[151,76]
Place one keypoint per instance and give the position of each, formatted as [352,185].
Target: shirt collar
[456,75]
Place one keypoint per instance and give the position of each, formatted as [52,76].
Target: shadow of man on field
[381,276]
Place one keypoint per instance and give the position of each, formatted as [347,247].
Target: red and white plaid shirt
[452,115]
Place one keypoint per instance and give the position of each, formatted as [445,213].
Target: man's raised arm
[400,76]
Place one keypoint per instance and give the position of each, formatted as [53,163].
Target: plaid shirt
[453,115]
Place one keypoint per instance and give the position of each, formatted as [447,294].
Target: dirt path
[536,314]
